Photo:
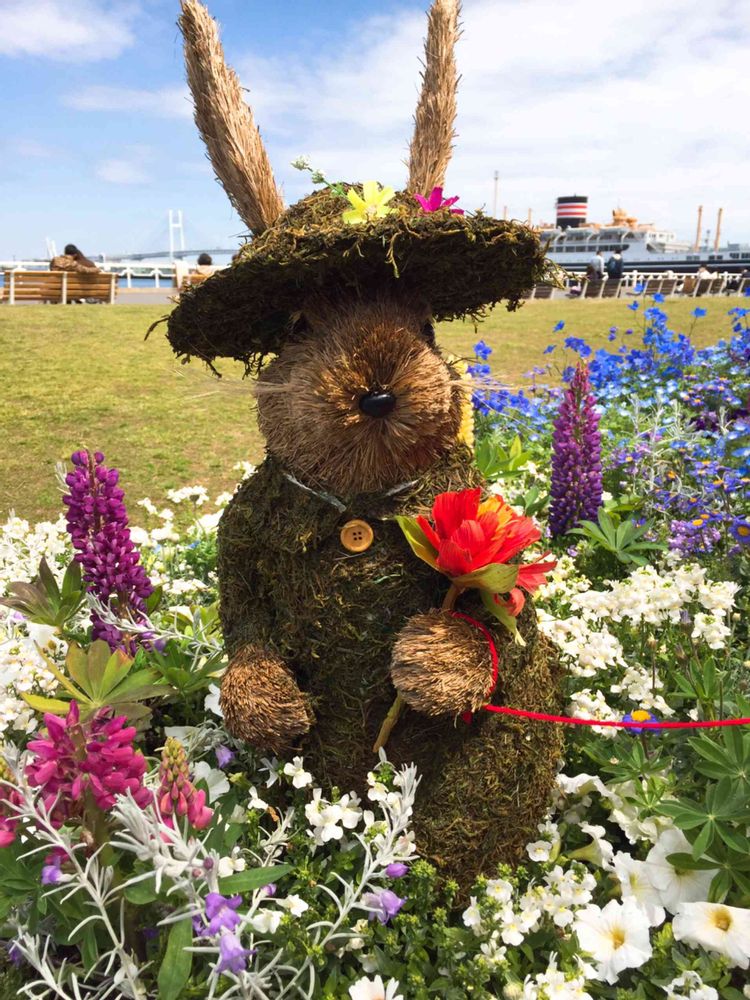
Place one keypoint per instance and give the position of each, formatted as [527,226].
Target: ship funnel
[571,211]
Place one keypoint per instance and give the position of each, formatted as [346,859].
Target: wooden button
[357,536]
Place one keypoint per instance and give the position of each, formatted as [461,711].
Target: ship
[573,241]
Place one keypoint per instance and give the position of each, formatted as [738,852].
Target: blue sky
[643,104]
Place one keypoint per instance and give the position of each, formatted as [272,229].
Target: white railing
[669,283]
[159,274]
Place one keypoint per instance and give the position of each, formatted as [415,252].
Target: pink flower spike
[177,794]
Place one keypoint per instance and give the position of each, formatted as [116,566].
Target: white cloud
[81,30]
[126,169]
[28,149]
[164,102]
[640,104]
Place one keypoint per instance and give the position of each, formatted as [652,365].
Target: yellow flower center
[641,715]
[722,918]
[618,937]
[743,530]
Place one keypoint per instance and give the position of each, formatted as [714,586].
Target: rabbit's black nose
[377,403]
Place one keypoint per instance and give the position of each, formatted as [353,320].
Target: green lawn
[83,376]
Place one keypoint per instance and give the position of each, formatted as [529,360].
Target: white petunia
[717,928]
[294,769]
[373,989]
[616,937]
[499,890]
[539,850]
[675,885]
[635,884]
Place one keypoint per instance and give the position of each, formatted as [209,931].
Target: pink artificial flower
[96,755]
[436,201]
[177,795]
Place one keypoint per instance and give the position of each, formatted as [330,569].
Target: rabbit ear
[432,142]
[226,123]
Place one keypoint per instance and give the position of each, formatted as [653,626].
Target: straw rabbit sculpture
[362,416]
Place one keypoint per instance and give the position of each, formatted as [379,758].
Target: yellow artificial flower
[371,204]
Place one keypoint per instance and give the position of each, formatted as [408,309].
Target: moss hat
[456,264]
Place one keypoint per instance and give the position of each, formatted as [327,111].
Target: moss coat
[287,583]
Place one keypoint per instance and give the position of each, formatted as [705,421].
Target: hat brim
[457,264]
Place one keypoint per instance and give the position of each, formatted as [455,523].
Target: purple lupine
[576,489]
[98,526]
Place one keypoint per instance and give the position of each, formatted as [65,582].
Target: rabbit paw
[441,664]
[261,701]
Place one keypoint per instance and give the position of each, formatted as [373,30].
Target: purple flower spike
[270,889]
[397,869]
[435,202]
[232,956]
[383,905]
[98,526]
[576,489]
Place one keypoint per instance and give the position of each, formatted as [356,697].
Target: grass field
[76,376]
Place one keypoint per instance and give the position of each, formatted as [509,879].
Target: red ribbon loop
[568,719]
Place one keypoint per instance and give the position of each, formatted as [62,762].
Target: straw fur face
[310,399]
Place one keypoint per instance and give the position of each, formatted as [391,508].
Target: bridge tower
[176,229]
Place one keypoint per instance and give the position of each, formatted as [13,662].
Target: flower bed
[144,854]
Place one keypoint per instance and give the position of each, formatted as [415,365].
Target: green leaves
[417,539]
[251,879]
[97,678]
[42,601]
[497,578]
[178,961]
[496,463]
[623,539]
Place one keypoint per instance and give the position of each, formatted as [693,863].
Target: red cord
[568,719]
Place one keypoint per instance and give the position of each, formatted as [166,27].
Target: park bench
[189,280]
[543,291]
[611,288]
[593,288]
[59,286]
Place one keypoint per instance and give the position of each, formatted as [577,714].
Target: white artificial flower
[373,989]
[716,927]
[266,920]
[673,885]
[351,814]
[294,769]
[324,817]
[230,864]
[211,701]
[616,937]
[294,904]
[215,779]
[272,766]
[513,927]
[471,916]
[635,884]
[255,801]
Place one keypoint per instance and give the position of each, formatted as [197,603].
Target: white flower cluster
[553,984]
[23,546]
[23,670]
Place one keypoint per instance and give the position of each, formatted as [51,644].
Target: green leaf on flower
[252,878]
[721,883]
[177,962]
[497,578]
[417,539]
[703,840]
[141,893]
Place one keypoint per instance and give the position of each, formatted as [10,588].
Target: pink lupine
[9,797]
[75,757]
[177,794]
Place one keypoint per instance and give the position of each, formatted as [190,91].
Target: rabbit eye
[428,332]
[299,327]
